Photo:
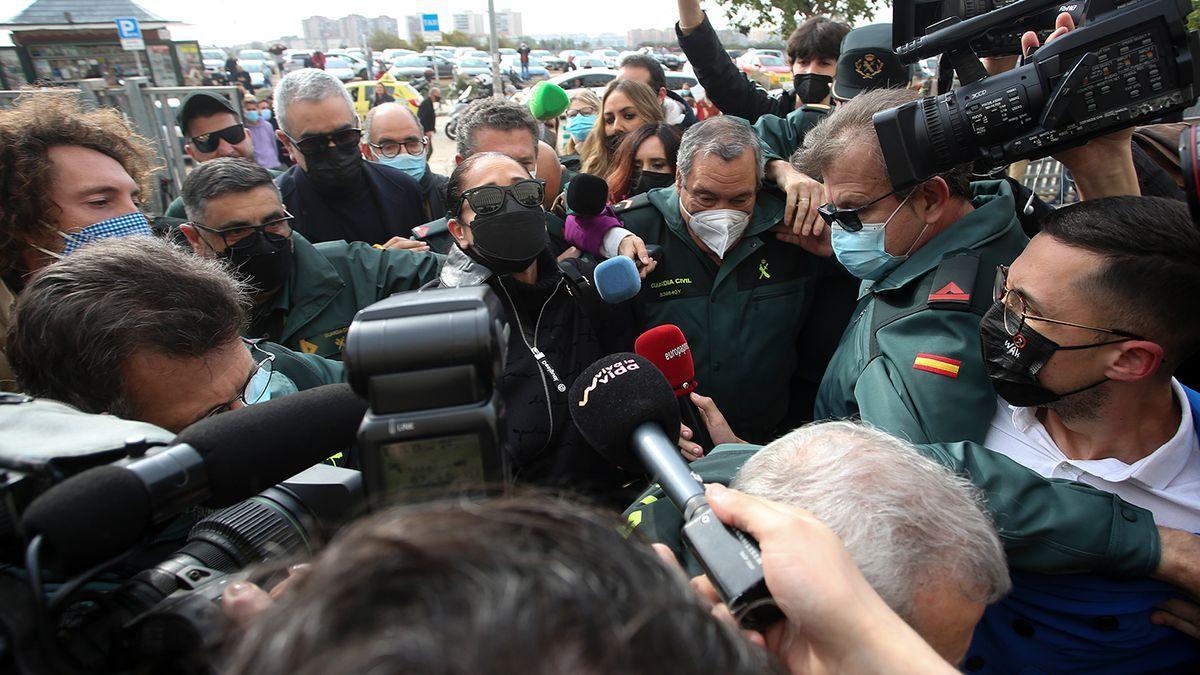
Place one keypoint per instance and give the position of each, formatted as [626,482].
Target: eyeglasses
[848,219]
[1016,311]
[489,199]
[237,238]
[389,149]
[319,143]
[581,111]
[256,384]
[209,142]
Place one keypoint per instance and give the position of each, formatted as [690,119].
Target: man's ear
[1138,360]
[367,151]
[934,196]
[662,94]
[193,237]
[458,231]
[458,159]
[187,147]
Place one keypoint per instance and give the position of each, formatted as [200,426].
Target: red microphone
[667,348]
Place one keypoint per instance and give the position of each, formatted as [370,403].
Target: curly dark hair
[39,121]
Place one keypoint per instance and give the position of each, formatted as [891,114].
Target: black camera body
[428,363]
[912,18]
[1126,67]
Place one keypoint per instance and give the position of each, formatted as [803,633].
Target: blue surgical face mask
[259,390]
[413,165]
[864,253]
[253,116]
[579,126]
[265,113]
[129,225]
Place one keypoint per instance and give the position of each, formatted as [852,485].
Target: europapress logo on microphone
[606,374]
[676,352]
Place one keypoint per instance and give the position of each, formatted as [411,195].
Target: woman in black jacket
[499,228]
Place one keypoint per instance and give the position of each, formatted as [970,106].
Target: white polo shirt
[1166,482]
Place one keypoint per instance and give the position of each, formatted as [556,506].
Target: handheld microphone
[623,401]
[221,460]
[617,280]
[587,194]
[548,100]
[667,348]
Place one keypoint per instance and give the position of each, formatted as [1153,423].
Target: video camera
[913,18]
[428,363]
[1125,67]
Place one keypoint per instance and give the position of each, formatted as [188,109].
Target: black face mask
[335,168]
[1013,362]
[644,181]
[509,240]
[265,262]
[812,87]
[611,143]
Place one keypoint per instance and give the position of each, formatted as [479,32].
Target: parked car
[587,78]
[214,60]
[572,52]
[765,69]
[468,67]
[512,64]
[777,53]
[670,60]
[438,64]
[507,51]
[589,61]
[412,65]
[296,60]
[260,74]
[475,54]
[609,56]
[390,55]
[341,68]
[363,92]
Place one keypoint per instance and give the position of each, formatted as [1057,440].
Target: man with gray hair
[910,361]
[916,530]
[332,192]
[304,295]
[740,295]
[393,137]
[144,330]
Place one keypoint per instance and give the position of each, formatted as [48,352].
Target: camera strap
[962,62]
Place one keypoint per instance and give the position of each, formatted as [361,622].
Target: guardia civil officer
[740,295]
[306,294]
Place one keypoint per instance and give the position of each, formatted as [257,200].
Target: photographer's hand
[1103,167]
[833,615]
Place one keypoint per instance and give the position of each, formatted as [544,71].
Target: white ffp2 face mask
[719,229]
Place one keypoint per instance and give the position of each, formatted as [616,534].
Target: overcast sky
[226,22]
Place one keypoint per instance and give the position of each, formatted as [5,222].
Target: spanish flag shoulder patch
[938,365]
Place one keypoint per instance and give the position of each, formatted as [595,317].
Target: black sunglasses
[848,219]
[318,143]
[209,142]
[488,199]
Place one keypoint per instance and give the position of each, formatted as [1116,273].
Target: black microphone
[221,460]
[624,401]
[587,194]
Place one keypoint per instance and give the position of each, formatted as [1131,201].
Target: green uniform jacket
[1046,525]
[911,365]
[782,136]
[741,319]
[330,283]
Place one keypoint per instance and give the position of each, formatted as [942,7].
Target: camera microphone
[221,460]
[622,401]
[666,347]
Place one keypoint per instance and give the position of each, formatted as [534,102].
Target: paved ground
[443,148]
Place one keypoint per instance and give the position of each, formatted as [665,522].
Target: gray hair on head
[307,84]
[905,519]
[850,128]
[493,113]
[370,118]
[726,137]
[219,177]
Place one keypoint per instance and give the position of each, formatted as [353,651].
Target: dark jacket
[726,86]
[543,443]
[426,115]
[387,204]
[433,195]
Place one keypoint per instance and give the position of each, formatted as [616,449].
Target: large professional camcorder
[428,363]
[913,18]
[1127,66]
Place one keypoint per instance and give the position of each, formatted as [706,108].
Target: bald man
[393,135]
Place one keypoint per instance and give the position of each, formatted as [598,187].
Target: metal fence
[151,112]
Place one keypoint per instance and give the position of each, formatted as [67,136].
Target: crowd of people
[958,421]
